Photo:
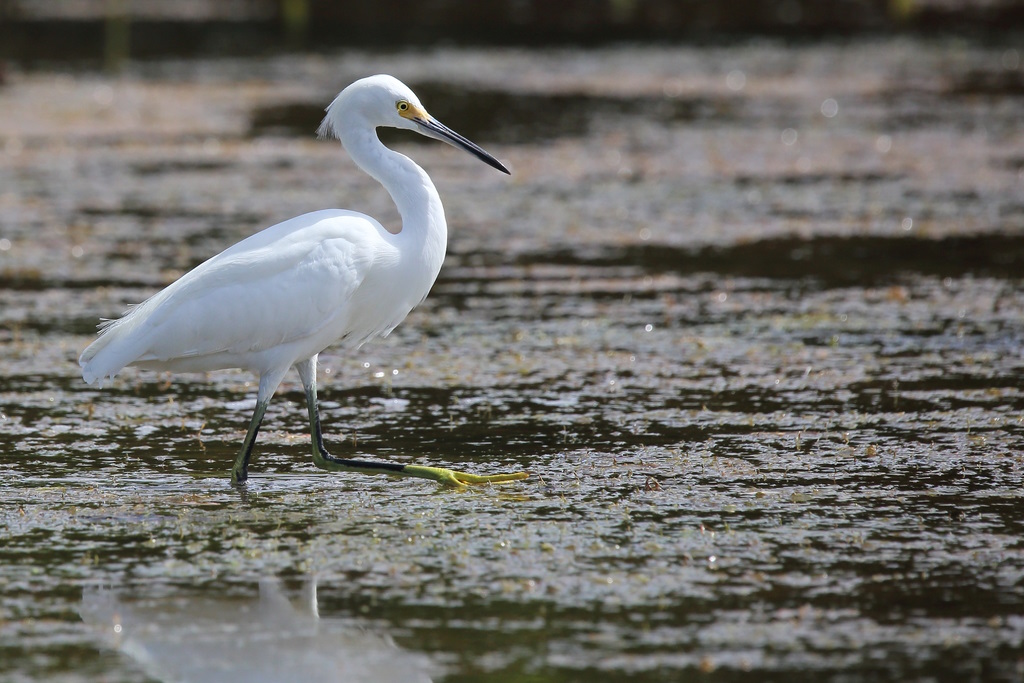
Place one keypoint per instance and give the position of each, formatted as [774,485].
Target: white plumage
[278,298]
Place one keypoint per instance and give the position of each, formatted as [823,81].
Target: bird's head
[385,101]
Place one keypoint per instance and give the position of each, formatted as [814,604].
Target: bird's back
[278,292]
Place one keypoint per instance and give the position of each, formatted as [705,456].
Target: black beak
[437,130]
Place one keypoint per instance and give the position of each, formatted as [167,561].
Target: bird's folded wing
[283,284]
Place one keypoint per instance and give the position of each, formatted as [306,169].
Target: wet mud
[752,317]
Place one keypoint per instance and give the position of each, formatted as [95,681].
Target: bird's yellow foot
[457,479]
[442,475]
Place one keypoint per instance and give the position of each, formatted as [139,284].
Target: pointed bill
[433,128]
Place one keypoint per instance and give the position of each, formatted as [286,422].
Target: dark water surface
[752,317]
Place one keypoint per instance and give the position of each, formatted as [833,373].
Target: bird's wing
[259,300]
[280,285]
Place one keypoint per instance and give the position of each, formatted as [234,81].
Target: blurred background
[113,29]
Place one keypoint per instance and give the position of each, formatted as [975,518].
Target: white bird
[278,298]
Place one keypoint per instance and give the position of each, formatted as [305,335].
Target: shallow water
[763,365]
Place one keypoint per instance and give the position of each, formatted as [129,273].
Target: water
[767,384]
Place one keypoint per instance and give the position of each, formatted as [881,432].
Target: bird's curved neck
[409,186]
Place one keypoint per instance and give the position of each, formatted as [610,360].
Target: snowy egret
[278,298]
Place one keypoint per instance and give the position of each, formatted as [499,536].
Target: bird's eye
[403,106]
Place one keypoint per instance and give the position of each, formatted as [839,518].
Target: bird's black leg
[240,472]
[268,385]
[326,461]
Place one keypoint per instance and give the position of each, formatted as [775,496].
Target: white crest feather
[326,129]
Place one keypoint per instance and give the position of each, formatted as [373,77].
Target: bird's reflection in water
[269,639]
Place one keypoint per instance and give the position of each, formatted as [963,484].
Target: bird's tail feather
[106,356]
